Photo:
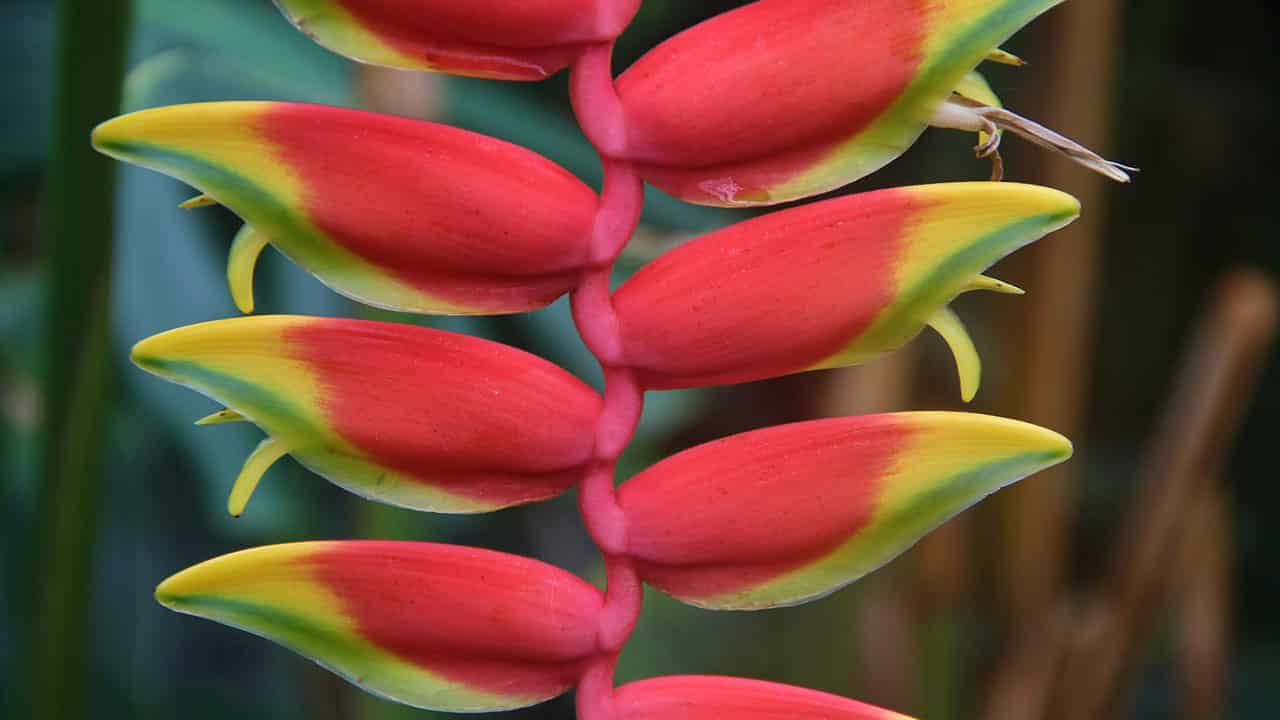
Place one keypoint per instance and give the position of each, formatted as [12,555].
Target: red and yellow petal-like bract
[393,212]
[500,39]
[434,626]
[788,514]
[784,99]
[705,697]
[829,284]
[401,414]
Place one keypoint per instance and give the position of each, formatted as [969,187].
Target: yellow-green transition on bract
[405,415]
[436,626]
[829,284]
[775,101]
[396,213]
[788,514]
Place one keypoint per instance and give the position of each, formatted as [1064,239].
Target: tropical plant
[777,101]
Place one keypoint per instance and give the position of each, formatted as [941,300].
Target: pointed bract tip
[103,136]
[198,201]
[222,417]
[220,575]
[241,262]
[968,363]
[990,284]
[1017,435]
[260,460]
[1004,57]
[1004,198]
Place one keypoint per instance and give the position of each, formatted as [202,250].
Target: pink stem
[600,114]
[596,102]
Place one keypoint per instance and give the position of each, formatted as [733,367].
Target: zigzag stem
[599,112]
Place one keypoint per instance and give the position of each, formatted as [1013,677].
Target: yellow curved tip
[1005,57]
[243,258]
[223,416]
[990,284]
[975,87]
[263,457]
[993,435]
[198,201]
[222,574]
[968,363]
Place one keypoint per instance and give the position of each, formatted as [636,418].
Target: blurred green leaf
[252,43]
[26,72]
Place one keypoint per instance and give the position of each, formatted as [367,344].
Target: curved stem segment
[600,113]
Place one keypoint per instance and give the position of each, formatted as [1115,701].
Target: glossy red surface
[527,40]
[766,297]
[492,621]
[456,214]
[474,417]
[699,697]
[775,76]
[738,512]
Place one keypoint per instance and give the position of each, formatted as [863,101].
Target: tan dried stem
[1050,350]
[1211,393]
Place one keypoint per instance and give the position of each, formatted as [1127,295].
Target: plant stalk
[77,238]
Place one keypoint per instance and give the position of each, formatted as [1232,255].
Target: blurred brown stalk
[1208,401]
[1051,346]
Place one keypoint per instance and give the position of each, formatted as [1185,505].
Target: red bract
[411,416]
[787,514]
[439,626]
[829,284]
[398,213]
[784,99]
[700,697]
[501,39]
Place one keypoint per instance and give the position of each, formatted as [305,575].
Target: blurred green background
[1186,94]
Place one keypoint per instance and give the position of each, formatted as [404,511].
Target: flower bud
[392,212]
[405,415]
[434,626]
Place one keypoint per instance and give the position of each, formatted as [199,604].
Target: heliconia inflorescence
[776,101]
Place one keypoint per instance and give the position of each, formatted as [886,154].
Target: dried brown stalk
[1210,395]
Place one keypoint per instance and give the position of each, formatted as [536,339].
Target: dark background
[1184,90]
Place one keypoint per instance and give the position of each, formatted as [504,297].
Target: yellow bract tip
[223,416]
[198,201]
[263,457]
[968,363]
[1005,57]
[990,284]
[232,574]
[245,250]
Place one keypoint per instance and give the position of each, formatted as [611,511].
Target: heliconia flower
[401,414]
[441,627]
[483,38]
[393,212]
[785,99]
[703,697]
[830,284]
[788,514]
